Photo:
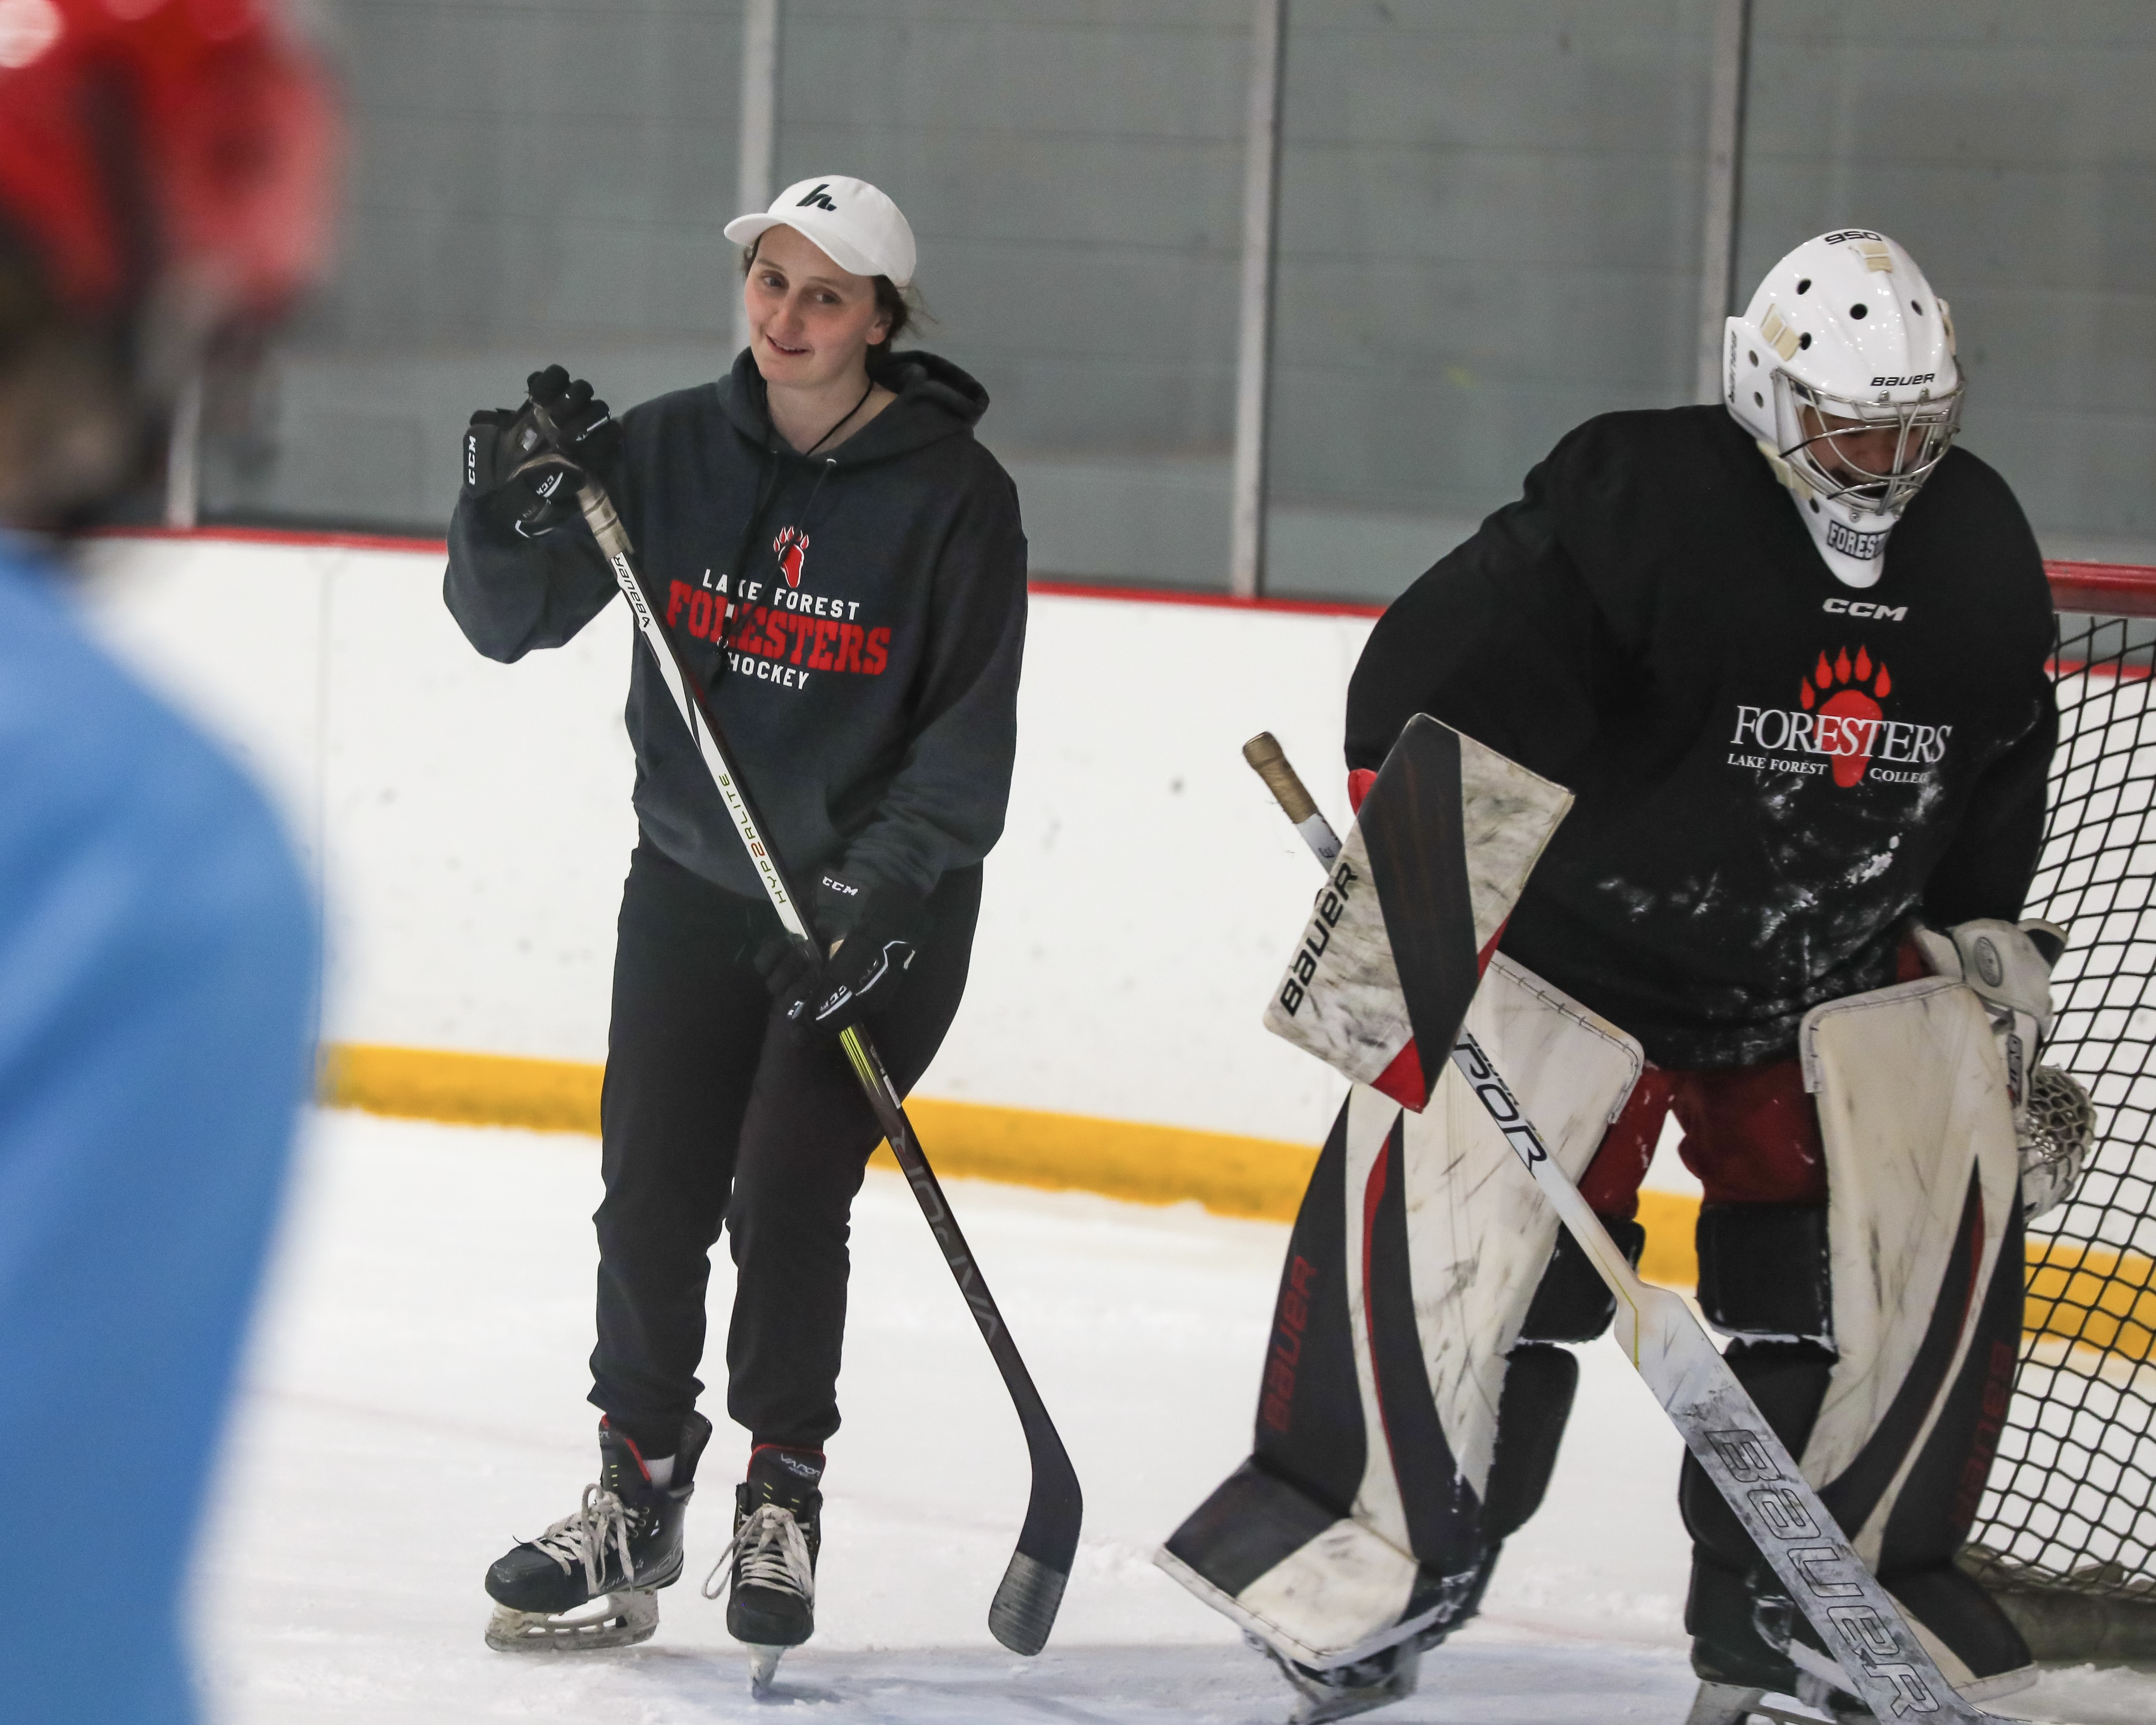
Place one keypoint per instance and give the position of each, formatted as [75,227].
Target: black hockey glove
[877,929]
[506,454]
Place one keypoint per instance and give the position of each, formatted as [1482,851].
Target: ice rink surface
[414,1403]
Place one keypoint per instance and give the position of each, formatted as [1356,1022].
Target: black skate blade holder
[1023,1612]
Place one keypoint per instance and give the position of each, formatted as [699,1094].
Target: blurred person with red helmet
[163,186]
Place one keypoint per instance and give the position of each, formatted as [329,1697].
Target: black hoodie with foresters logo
[1772,769]
[857,617]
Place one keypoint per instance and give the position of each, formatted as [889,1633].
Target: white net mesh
[2072,1499]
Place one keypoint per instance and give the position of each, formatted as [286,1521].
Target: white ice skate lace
[583,1537]
[773,1553]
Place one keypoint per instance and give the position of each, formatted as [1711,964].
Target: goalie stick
[1880,1658]
[1024,1609]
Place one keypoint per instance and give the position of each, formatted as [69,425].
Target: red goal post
[2103,589]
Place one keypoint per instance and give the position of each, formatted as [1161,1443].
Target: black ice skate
[1736,1704]
[772,1564]
[592,1580]
[1748,1639]
[1742,1655]
[1723,1704]
[1342,1692]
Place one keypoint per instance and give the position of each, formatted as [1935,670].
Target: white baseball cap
[860,227]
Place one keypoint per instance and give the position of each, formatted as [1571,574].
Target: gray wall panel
[499,144]
[1490,223]
[2012,148]
[1489,232]
[1074,175]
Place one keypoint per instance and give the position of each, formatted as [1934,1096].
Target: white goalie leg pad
[1922,1165]
[1913,1107]
[1480,1235]
[1439,1244]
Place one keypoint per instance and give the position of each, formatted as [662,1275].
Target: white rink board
[471,823]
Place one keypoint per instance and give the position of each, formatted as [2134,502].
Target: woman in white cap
[843,565]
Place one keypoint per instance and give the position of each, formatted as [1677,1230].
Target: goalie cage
[2065,1528]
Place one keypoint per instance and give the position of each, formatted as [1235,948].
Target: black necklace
[849,413]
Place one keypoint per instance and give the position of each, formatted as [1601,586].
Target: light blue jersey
[156,967]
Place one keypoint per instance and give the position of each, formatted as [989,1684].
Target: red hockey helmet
[176,145]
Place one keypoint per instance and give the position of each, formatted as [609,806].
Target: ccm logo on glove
[865,939]
[535,473]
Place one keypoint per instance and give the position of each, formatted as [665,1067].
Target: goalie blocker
[1412,1400]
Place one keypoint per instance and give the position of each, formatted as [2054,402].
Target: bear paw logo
[1843,688]
[791,548]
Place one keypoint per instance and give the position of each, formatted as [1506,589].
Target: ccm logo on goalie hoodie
[1767,785]
[868,689]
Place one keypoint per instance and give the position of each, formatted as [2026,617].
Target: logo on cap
[817,200]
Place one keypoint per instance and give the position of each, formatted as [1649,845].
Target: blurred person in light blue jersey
[162,188]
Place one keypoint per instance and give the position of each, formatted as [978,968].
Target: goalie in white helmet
[1843,368]
[1788,651]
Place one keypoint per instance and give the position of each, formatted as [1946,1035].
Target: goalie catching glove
[2055,1142]
[872,934]
[2008,965]
[506,453]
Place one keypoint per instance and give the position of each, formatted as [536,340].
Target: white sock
[661,1469]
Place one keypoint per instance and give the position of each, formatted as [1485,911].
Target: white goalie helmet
[1844,340]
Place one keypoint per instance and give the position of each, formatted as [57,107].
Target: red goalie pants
[1751,1135]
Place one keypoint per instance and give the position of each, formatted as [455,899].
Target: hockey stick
[1024,1609]
[1881,1659]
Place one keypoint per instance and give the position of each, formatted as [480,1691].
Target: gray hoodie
[857,618]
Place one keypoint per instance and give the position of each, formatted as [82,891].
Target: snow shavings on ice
[414,1402]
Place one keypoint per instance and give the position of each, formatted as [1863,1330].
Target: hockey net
[2066,1532]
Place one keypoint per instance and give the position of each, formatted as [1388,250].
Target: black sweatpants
[716,1110]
